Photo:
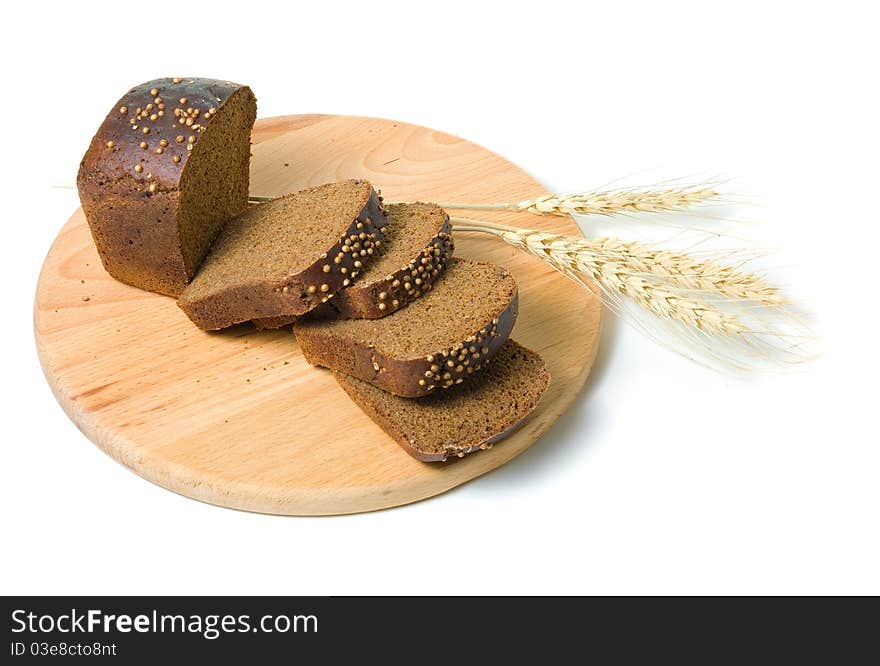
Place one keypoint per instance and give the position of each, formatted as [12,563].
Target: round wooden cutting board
[238,418]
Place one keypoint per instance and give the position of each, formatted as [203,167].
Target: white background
[663,477]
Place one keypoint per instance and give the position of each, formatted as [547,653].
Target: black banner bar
[133,629]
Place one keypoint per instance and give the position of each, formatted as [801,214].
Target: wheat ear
[708,277]
[603,202]
[721,308]
[608,262]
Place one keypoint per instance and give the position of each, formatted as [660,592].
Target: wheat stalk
[720,307]
[607,202]
[593,202]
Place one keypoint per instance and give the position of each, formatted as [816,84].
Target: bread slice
[162,175]
[438,341]
[286,256]
[272,323]
[416,246]
[464,419]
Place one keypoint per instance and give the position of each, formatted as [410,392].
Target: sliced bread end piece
[286,256]
[465,419]
[439,340]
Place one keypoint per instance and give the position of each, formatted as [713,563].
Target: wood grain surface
[238,418]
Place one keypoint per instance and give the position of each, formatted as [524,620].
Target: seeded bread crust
[375,298]
[297,293]
[382,297]
[465,419]
[129,178]
[409,377]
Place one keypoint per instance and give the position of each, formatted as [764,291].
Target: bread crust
[527,404]
[413,377]
[130,194]
[385,296]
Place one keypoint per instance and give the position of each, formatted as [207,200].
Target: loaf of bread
[436,342]
[416,246]
[166,169]
[465,418]
[286,256]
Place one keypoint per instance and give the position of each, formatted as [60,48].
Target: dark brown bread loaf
[416,246]
[167,168]
[465,418]
[438,341]
[286,256]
